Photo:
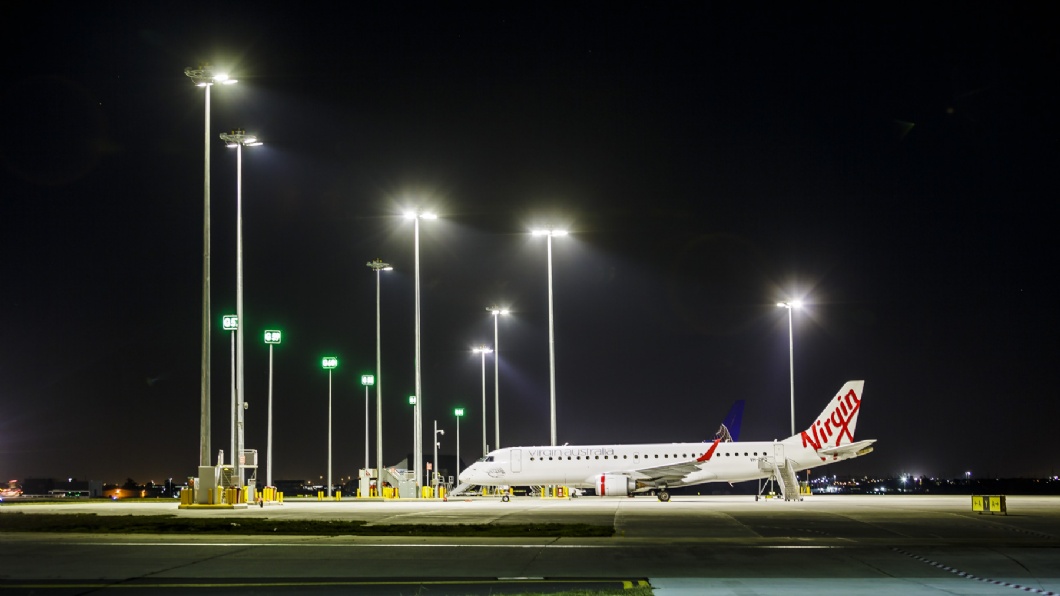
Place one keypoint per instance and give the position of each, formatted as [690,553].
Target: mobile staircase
[783,472]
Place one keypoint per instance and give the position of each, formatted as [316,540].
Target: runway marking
[967,575]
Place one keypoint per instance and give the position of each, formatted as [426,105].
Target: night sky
[895,167]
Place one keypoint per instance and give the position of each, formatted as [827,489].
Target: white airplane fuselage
[631,469]
[582,466]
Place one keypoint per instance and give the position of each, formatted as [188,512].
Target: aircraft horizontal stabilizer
[850,450]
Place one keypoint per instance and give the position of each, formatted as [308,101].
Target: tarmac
[834,544]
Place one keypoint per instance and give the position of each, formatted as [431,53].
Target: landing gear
[505,498]
[664,496]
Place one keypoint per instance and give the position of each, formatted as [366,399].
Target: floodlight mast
[495,311]
[549,234]
[238,139]
[482,351]
[791,306]
[205,77]
[377,266]
[417,449]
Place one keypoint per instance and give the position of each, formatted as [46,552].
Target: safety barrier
[555,492]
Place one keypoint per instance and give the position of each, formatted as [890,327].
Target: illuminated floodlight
[272,336]
[204,76]
[379,265]
[367,380]
[239,137]
[548,232]
[230,322]
[329,362]
[410,214]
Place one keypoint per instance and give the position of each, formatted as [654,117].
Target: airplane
[730,425]
[628,470]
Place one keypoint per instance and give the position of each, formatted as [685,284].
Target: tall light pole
[435,470]
[495,311]
[272,337]
[239,139]
[792,305]
[459,414]
[367,381]
[412,402]
[378,266]
[550,233]
[417,448]
[231,323]
[205,77]
[329,363]
[482,351]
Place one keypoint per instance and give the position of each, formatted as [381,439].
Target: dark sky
[894,166]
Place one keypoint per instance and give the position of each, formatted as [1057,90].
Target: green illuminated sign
[272,336]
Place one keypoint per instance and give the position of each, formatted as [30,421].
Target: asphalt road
[691,545]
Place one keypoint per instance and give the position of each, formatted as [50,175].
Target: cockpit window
[488,458]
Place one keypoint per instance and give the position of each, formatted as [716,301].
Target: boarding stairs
[783,471]
[463,489]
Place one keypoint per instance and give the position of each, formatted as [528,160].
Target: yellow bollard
[338,495]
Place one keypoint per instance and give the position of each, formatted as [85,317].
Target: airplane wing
[851,450]
[670,473]
[675,472]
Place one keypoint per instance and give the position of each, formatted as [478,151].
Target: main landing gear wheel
[664,496]
[504,499]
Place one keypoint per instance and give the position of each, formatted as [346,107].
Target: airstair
[464,490]
[789,483]
[783,472]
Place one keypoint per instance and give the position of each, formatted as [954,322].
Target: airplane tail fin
[835,426]
[730,426]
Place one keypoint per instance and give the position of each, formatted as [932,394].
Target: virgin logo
[836,425]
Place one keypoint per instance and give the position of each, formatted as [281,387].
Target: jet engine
[614,485]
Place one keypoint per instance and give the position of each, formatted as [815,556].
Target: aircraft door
[517,460]
[778,453]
